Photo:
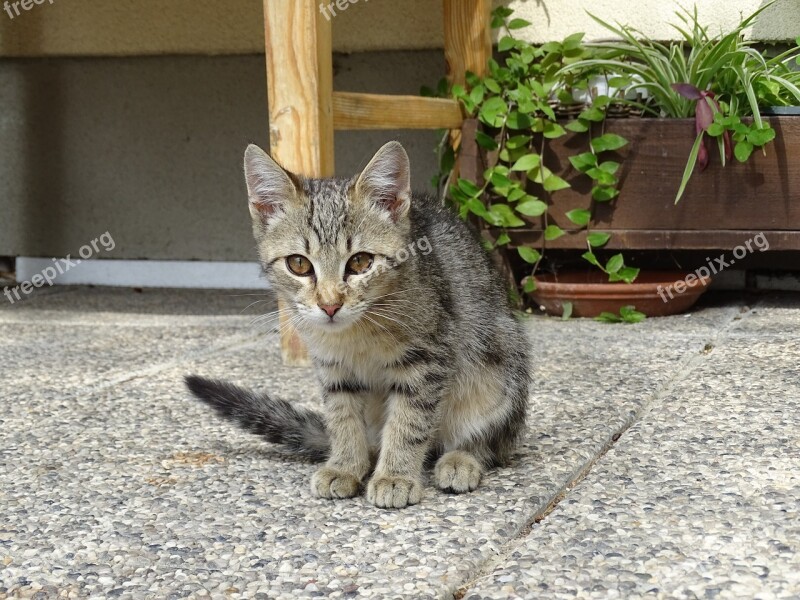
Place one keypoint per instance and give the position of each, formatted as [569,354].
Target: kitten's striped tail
[297,428]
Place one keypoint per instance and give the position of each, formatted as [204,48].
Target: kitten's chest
[366,358]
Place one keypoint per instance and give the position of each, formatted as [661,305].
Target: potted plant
[601,183]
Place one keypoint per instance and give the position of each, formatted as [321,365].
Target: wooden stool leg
[300,89]
[467,42]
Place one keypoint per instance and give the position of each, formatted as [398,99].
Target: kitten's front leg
[349,459]
[405,440]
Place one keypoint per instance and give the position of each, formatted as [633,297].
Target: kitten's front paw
[385,491]
[332,483]
[457,472]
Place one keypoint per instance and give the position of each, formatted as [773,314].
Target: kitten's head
[329,246]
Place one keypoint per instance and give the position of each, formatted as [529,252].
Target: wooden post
[300,90]
[467,42]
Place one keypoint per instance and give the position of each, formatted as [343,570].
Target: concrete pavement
[662,459]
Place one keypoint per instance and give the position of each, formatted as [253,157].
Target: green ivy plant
[518,105]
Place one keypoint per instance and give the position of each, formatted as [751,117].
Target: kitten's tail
[297,428]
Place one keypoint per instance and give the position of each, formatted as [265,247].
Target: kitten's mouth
[334,323]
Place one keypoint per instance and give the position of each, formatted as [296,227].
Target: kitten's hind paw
[457,472]
[385,491]
[332,483]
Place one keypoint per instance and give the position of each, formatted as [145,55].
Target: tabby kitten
[408,326]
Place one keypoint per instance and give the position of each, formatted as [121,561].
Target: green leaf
[715,130]
[493,110]
[579,216]
[472,79]
[553,130]
[601,101]
[619,82]
[529,255]
[506,43]
[628,274]
[502,239]
[567,310]
[609,166]
[590,257]
[517,141]
[583,162]
[553,183]
[527,162]
[506,215]
[491,85]
[476,207]
[518,24]
[615,263]
[553,232]
[518,120]
[532,207]
[468,187]
[689,169]
[573,41]
[530,285]
[601,177]
[742,151]
[759,137]
[516,194]
[597,238]
[499,180]
[476,95]
[604,194]
[608,317]
[577,126]
[485,141]
[592,114]
[608,141]
[629,314]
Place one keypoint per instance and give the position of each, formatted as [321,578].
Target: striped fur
[424,357]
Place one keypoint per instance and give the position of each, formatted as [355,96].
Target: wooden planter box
[720,209]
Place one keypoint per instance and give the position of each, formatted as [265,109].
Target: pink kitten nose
[330,309]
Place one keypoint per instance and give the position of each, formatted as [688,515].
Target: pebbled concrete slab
[698,499]
[128,488]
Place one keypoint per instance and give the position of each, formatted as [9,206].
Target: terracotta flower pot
[655,293]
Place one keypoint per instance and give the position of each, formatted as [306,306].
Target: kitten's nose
[330,309]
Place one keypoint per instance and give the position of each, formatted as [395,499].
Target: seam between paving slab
[685,366]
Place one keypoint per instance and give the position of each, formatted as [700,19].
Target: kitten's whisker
[266,317]
[391,318]
[389,333]
[252,304]
[240,295]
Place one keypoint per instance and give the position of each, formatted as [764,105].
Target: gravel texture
[114,484]
[698,499]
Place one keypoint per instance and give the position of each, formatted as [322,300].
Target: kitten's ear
[386,181]
[269,186]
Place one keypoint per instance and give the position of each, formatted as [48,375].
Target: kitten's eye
[359,263]
[299,265]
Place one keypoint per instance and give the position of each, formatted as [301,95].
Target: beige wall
[144,27]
